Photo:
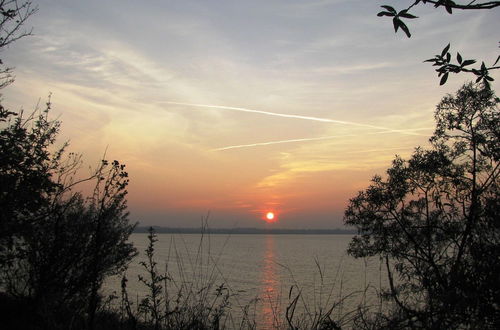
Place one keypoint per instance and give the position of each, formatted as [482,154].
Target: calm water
[260,270]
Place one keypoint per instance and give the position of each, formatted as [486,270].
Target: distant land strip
[231,231]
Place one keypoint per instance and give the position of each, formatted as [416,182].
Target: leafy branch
[449,5]
[396,18]
[13,15]
[444,62]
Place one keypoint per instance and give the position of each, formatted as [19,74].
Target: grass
[191,292]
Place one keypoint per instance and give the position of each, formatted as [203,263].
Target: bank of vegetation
[432,219]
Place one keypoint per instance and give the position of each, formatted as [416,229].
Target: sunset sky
[241,107]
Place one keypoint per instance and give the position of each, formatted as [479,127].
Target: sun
[269,216]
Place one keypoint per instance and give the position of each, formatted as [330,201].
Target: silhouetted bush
[434,220]
[56,245]
[178,302]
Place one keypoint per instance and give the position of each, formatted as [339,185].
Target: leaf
[459,58]
[405,29]
[443,79]
[385,13]
[405,14]
[448,57]
[468,62]
[410,16]
[395,23]
[390,9]
[445,50]
[487,84]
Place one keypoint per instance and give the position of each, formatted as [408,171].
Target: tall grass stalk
[191,292]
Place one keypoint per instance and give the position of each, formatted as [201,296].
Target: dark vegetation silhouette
[445,62]
[195,298]
[57,245]
[432,220]
[199,297]
[13,15]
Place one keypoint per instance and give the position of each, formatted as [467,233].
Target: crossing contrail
[378,150]
[279,142]
[276,114]
[258,144]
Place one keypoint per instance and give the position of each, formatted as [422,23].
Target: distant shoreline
[238,231]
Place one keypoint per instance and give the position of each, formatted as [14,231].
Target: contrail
[300,140]
[378,150]
[279,142]
[275,114]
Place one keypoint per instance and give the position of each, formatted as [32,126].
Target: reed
[192,293]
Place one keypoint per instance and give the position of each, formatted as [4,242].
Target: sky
[239,108]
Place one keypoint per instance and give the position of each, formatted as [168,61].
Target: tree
[434,220]
[13,15]
[444,60]
[56,245]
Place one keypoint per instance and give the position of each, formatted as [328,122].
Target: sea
[261,274]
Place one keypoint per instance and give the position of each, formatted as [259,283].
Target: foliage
[445,65]
[443,61]
[13,15]
[448,5]
[434,220]
[26,167]
[57,246]
[151,304]
[185,301]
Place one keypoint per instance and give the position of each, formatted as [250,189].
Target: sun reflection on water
[270,293]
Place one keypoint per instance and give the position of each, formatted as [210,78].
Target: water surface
[260,270]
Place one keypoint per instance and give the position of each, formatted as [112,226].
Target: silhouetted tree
[445,60]
[13,15]
[26,168]
[434,220]
[57,246]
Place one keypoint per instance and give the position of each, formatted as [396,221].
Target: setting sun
[270,216]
